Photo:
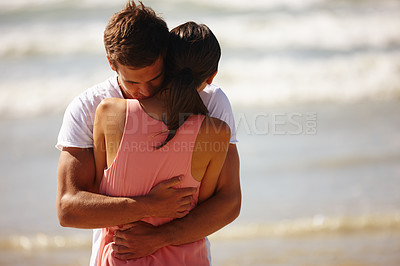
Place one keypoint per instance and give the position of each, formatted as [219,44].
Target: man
[136,41]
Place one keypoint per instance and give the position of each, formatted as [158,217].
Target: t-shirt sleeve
[220,107]
[77,126]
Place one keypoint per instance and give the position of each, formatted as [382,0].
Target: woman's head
[193,47]
[192,59]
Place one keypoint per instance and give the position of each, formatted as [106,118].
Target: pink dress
[138,167]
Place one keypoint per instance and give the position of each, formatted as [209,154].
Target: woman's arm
[99,145]
[108,128]
[210,150]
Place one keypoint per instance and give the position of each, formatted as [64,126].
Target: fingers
[187,191]
[181,214]
[119,249]
[125,256]
[171,182]
[120,235]
[120,241]
[185,202]
[126,226]
[122,253]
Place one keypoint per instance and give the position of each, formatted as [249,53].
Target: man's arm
[216,212]
[208,217]
[78,204]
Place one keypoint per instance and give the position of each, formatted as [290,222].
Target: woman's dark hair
[135,36]
[192,57]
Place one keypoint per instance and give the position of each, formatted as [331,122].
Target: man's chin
[136,97]
[141,97]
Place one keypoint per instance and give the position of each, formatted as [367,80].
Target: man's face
[140,83]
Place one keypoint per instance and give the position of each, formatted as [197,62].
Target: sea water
[315,90]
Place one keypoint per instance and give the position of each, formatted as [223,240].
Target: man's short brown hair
[135,36]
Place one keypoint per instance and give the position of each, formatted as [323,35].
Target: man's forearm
[205,219]
[214,213]
[90,210]
[79,205]
[141,239]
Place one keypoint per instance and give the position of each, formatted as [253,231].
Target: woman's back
[138,165]
[135,166]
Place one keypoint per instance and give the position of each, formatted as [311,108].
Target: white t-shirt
[77,127]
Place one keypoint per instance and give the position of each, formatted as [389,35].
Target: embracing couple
[148,157]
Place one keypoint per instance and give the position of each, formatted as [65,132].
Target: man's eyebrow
[159,75]
[156,77]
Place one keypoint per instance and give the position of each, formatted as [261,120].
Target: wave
[340,79]
[52,31]
[22,6]
[317,225]
[16,5]
[42,241]
[271,55]
[270,81]
[252,83]
[52,40]
[330,163]
[351,161]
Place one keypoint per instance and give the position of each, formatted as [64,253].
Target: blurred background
[315,88]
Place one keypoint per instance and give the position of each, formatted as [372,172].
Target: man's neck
[155,106]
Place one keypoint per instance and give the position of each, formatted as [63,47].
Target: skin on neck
[155,105]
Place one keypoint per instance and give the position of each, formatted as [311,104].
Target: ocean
[315,88]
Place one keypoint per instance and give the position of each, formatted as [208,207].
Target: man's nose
[143,89]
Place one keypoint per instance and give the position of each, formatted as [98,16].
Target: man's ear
[111,64]
[211,78]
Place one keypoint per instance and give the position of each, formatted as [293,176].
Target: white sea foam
[42,241]
[51,40]
[49,95]
[320,30]
[18,5]
[317,225]
[263,31]
[337,79]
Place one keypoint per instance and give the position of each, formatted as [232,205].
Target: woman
[170,134]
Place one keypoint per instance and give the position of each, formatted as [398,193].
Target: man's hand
[166,201]
[136,240]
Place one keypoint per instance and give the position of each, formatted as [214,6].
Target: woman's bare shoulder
[110,113]
[111,105]
[214,129]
